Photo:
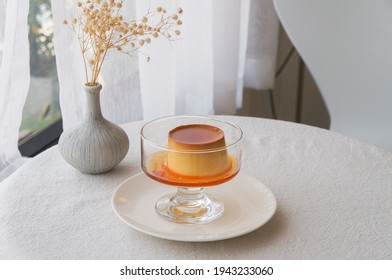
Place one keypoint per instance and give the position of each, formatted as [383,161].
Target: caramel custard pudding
[197,138]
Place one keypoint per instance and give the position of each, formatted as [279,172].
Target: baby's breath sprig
[100,27]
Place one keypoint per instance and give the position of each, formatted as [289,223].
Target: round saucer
[249,204]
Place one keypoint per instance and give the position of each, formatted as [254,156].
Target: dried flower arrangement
[100,27]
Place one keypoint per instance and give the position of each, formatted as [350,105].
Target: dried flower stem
[100,27]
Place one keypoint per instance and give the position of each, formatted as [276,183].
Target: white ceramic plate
[248,205]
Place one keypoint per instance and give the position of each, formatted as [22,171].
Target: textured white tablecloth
[334,199]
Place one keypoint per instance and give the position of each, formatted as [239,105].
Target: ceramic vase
[96,145]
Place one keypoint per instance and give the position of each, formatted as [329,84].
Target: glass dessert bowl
[190,153]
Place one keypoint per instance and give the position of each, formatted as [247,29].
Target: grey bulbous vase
[96,145]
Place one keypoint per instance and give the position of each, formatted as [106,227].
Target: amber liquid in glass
[157,169]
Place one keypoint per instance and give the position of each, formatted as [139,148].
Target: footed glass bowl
[190,153]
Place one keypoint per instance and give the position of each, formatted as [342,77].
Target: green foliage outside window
[42,104]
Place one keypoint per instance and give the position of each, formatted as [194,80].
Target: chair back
[347,46]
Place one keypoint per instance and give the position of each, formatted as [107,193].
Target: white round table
[334,197]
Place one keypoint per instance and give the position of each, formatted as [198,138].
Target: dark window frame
[42,140]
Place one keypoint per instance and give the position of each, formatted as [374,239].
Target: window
[42,108]
[41,122]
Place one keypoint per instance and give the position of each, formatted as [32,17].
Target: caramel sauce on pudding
[195,135]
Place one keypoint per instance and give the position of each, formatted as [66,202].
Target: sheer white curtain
[14,80]
[201,70]
[262,45]
[224,45]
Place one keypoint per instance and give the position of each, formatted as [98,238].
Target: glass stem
[190,206]
[189,196]
[189,202]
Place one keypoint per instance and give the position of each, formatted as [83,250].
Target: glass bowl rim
[241,133]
